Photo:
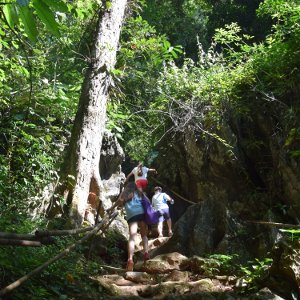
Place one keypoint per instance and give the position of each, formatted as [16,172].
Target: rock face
[256,179]
[284,274]
[111,158]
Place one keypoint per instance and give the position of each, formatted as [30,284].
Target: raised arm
[128,176]
[152,170]
[123,199]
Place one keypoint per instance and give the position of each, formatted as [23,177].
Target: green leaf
[295,153]
[24,71]
[119,129]
[46,15]
[15,45]
[28,21]
[11,14]
[108,5]
[48,138]
[57,5]
[166,44]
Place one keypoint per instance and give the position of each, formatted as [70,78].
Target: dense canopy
[220,76]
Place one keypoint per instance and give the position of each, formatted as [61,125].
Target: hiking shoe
[129,267]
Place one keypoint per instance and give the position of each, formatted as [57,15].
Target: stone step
[153,285]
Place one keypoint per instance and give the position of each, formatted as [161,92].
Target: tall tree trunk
[80,172]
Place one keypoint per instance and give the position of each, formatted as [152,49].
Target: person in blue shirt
[159,202]
[135,216]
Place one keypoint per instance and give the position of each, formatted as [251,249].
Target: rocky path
[169,276]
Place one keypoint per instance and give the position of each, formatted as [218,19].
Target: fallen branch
[103,224]
[17,236]
[8,238]
[114,269]
[273,224]
[44,235]
[26,243]
[40,233]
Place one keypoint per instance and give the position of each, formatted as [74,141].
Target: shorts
[164,214]
[136,218]
[141,183]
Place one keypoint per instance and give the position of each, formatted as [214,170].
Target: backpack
[151,215]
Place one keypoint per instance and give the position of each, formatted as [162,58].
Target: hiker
[159,202]
[132,200]
[140,176]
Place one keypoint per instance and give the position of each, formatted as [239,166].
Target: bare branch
[101,226]
[13,242]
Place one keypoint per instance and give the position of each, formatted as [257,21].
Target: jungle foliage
[235,74]
[186,64]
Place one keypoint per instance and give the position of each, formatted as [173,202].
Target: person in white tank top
[140,173]
[159,202]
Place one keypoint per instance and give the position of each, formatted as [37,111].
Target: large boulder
[112,156]
[284,274]
[232,186]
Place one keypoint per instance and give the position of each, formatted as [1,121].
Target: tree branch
[273,224]
[102,225]
[26,243]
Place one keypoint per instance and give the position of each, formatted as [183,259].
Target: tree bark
[80,172]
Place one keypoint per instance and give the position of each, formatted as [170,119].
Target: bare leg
[144,232]
[160,229]
[169,223]
[132,235]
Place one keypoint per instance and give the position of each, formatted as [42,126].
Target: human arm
[124,198]
[152,170]
[171,200]
[128,176]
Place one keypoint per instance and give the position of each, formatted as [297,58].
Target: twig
[114,269]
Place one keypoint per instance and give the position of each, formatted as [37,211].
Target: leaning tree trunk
[80,172]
